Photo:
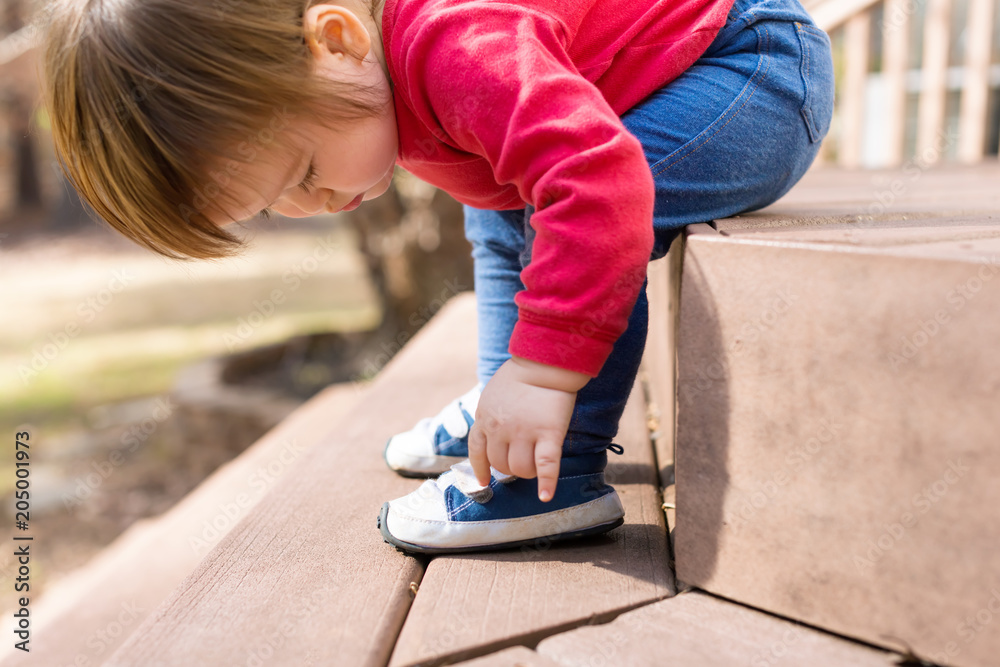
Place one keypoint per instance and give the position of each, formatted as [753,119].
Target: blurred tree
[413,238]
[18,102]
[27,187]
[13,16]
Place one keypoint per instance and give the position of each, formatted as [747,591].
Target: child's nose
[303,203]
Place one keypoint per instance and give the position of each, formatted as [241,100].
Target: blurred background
[138,376]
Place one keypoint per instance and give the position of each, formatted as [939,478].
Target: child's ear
[335,30]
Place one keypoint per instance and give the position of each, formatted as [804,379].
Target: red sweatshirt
[506,103]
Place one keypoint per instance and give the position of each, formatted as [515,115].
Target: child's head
[174,117]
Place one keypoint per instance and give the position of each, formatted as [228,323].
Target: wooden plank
[518,656]
[932,142]
[831,14]
[976,82]
[306,578]
[659,356]
[81,620]
[896,31]
[857,46]
[670,511]
[850,429]
[473,604]
[867,198]
[696,629]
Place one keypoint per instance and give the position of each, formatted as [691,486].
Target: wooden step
[699,630]
[469,605]
[837,394]
[306,578]
[518,656]
[85,617]
[692,629]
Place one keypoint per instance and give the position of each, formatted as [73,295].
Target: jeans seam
[807,58]
[815,134]
[767,57]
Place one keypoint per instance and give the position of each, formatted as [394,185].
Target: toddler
[582,136]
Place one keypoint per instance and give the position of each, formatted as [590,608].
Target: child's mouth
[356,202]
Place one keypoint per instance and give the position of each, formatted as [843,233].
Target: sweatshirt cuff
[556,347]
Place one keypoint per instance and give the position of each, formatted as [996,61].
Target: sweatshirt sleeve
[497,82]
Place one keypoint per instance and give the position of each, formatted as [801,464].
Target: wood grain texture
[869,199]
[85,617]
[698,630]
[470,605]
[306,579]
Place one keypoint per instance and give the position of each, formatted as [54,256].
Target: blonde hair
[145,96]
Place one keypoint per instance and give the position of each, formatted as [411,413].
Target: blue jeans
[732,134]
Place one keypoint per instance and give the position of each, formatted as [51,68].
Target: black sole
[415,548]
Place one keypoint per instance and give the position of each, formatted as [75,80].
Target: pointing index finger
[477,455]
[547,457]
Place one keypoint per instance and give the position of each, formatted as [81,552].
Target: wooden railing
[915,80]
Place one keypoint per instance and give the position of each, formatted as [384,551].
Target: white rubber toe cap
[420,518]
[411,452]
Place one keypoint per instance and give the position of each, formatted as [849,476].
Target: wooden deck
[304,577]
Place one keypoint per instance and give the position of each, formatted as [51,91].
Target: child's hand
[521,422]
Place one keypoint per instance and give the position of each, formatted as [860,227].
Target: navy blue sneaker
[454,514]
[435,443]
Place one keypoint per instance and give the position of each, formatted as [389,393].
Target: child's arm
[521,422]
[498,83]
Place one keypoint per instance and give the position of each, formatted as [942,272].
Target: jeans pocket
[817,78]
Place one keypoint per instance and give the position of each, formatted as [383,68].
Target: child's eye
[309,180]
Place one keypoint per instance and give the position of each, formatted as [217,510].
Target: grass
[166,318]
